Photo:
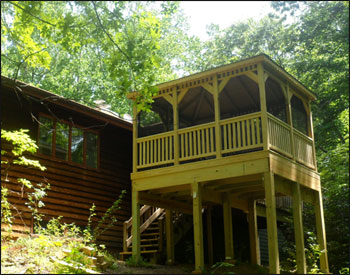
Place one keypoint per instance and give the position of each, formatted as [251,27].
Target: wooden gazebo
[229,136]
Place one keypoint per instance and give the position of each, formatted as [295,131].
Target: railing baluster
[248,133]
[239,134]
[229,136]
[253,131]
[207,139]
[225,136]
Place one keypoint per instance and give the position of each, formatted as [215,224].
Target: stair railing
[148,215]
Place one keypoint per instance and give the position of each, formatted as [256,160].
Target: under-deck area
[228,136]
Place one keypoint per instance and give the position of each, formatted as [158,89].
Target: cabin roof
[265,59]
[103,115]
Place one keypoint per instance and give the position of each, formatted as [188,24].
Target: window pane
[45,139]
[62,137]
[77,145]
[91,150]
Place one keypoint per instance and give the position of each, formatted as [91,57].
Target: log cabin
[87,153]
[228,136]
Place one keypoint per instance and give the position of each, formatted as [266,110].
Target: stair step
[142,252]
[149,240]
[153,228]
[150,234]
[149,245]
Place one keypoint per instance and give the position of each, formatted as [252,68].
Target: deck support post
[253,233]
[298,229]
[263,105]
[321,232]
[169,227]
[217,117]
[135,225]
[271,221]
[198,227]
[210,236]
[227,213]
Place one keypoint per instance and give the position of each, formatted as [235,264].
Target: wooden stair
[152,232]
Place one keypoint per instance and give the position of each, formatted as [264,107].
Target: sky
[223,13]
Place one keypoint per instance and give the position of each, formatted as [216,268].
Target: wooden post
[217,116]
[227,213]
[135,225]
[298,229]
[271,221]
[263,106]
[210,236]
[198,227]
[125,236]
[321,232]
[160,241]
[169,227]
[253,233]
[134,137]
[290,120]
[176,128]
[312,136]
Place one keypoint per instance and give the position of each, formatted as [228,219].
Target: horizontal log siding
[73,188]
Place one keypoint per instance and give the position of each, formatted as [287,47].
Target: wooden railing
[241,133]
[303,148]
[155,150]
[148,215]
[237,134]
[279,135]
[197,142]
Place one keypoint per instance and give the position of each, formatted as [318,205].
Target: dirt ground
[153,269]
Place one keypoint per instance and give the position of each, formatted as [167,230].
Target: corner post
[263,106]
[210,236]
[135,224]
[298,229]
[169,227]
[253,233]
[176,128]
[271,221]
[134,137]
[321,232]
[217,116]
[227,213]
[198,227]
[312,135]
[290,120]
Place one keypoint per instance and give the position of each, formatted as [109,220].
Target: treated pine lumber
[271,221]
[253,233]
[169,229]
[228,231]
[135,225]
[298,229]
[198,226]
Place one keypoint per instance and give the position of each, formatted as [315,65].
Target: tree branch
[42,20]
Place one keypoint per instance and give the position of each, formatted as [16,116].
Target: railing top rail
[197,127]
[239,118]
[302,135]
[156,136]
[142,211]
[277,120]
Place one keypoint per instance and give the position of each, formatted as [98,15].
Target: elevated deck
[230,136]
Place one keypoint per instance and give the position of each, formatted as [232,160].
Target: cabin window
[62,139]
[66,142]
[45,135]
[77,146]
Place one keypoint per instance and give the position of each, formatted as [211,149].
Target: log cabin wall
[73,187]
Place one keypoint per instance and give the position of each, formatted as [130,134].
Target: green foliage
[219,267]
[90,233]
[21,144]
[133,262]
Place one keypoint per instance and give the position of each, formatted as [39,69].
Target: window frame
[70,126]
